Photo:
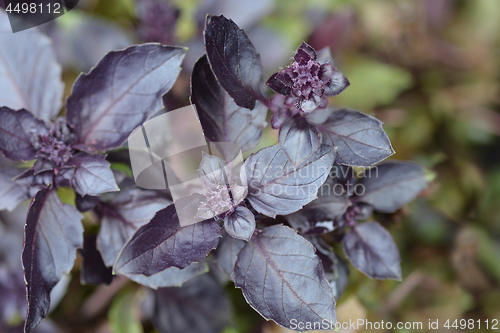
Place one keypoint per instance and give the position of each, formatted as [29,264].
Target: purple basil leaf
[338,83]
[221,119]
[18,134]
[344,176]
[277,86]
[33,182]
[64,177]
[282,278]
[200,305]
[299,139]
[30,77]
[11,193]
[53,233]
[121,92]
[164,243]
[226,253]
[46,326]
[12,286]
[122,216]
[324,55]
[357,212]
[213,171]
[336,270]
[216,271]
[275,187]
[304,53]
[332,200]
[13,300]
[42,164]
[319,215]
[391,185]
[240,224]
[171,277]
[371,249]
[93,175]
[283,108]
[359,138]
[320,115]
[234,61]
[93,271]
[338,276]
[11,245]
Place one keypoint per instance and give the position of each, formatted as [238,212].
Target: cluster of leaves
[280,272]
[105,105]
[284,272]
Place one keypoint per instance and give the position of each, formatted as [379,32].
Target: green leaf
[124,316]
[122,167]
[67,195]
[489,251]
[489,207]
[372,84]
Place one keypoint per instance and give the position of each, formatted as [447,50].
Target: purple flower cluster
[55,146]
[308,81]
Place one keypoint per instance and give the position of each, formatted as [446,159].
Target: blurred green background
[429,69]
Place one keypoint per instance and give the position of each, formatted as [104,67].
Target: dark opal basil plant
[284,271]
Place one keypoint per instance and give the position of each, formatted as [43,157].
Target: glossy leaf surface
[30,77]
[221,118]
[371,249]
[234,60]
[18,134]
[391,185]
[359,138]
[240,224]
[164,243]
[299,139]
[282,278]
[122,216]
[275,187]
[121,92]
[93,175]
[53,232]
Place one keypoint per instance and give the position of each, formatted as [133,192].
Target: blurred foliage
[376,83]
[429,69]
[124,314]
